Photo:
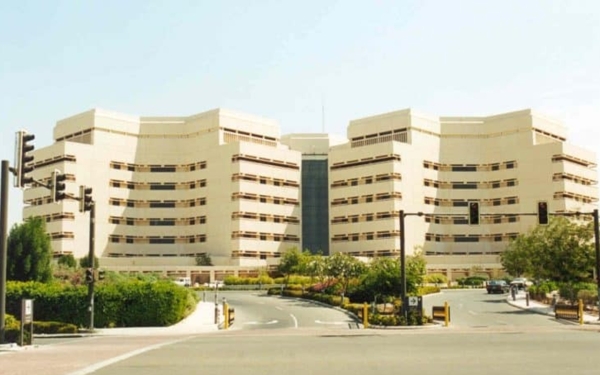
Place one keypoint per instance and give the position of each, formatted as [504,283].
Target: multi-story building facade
[435,166]
[314,187]
[168,189]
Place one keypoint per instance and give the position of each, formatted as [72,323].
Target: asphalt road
[257,310]
[370,352]
[486,336]
[475,308]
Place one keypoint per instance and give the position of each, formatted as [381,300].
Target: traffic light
[542,213]
[58,186]
[85,198]
[474,213]
[89,275]
[23,158]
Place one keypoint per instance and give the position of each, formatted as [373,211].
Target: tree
[290,263]
[67,260]
[382,278]
[29,255]
[416,269]
[344,268]
[84,262]
[517,258]
[316,267]
[203,260]
[561,251]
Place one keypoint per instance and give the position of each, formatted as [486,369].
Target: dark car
[497,286]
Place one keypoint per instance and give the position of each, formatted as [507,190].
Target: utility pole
[92,266]
[3,246]
[402,264]
[597,243]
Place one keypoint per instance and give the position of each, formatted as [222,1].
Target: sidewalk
[540,308]
[202,320]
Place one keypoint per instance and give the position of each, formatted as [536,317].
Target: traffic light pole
[597,243]
[92,265]
[402,264]
[3,246]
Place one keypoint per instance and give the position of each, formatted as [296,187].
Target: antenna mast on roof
[322,114]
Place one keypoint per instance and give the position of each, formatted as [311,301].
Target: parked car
[521,283]
[215,284]
[497,286]
[183,281]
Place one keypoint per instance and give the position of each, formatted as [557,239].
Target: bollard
[226,314]
[446,314]
[365,315]
[513,294]
[580,311]
[527,298]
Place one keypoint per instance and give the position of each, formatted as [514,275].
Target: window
[460,168]
[162,187]
[162,205]
[466,239]
[162,169]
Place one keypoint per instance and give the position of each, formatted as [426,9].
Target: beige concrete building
[228,185]
[168,189]
[419,163]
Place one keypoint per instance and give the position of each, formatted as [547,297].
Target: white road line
[472,312]
[333,323]
[295,321]
[279,308]
[264,323]
[108,362]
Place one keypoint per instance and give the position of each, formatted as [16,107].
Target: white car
[215,284]
[183,281]
[521,283]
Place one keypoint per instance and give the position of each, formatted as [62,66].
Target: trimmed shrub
[428,290]
[53,327]
[131,303]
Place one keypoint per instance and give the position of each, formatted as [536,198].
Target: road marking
[264,323]
[295,321]
[333,323]
[472,312]
[108,362]
[279,308]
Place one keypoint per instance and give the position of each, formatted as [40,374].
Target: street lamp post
[597,244]
[3,246]
[402,263]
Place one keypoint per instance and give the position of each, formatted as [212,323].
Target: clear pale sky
[287,60]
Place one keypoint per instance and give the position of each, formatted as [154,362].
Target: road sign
[413,301]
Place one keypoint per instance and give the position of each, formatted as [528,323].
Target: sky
[310,65]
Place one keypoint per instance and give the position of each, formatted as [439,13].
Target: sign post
[27,317]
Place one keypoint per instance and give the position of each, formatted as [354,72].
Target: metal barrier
[570,312]
[441,313]
[231,315]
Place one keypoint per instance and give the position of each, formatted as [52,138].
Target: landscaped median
[387,314]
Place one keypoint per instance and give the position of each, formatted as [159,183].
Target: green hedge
[131,303]
[236,280]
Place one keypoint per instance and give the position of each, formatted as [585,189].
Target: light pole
[3,246]
[403,258]
[402,264]
[597,243]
